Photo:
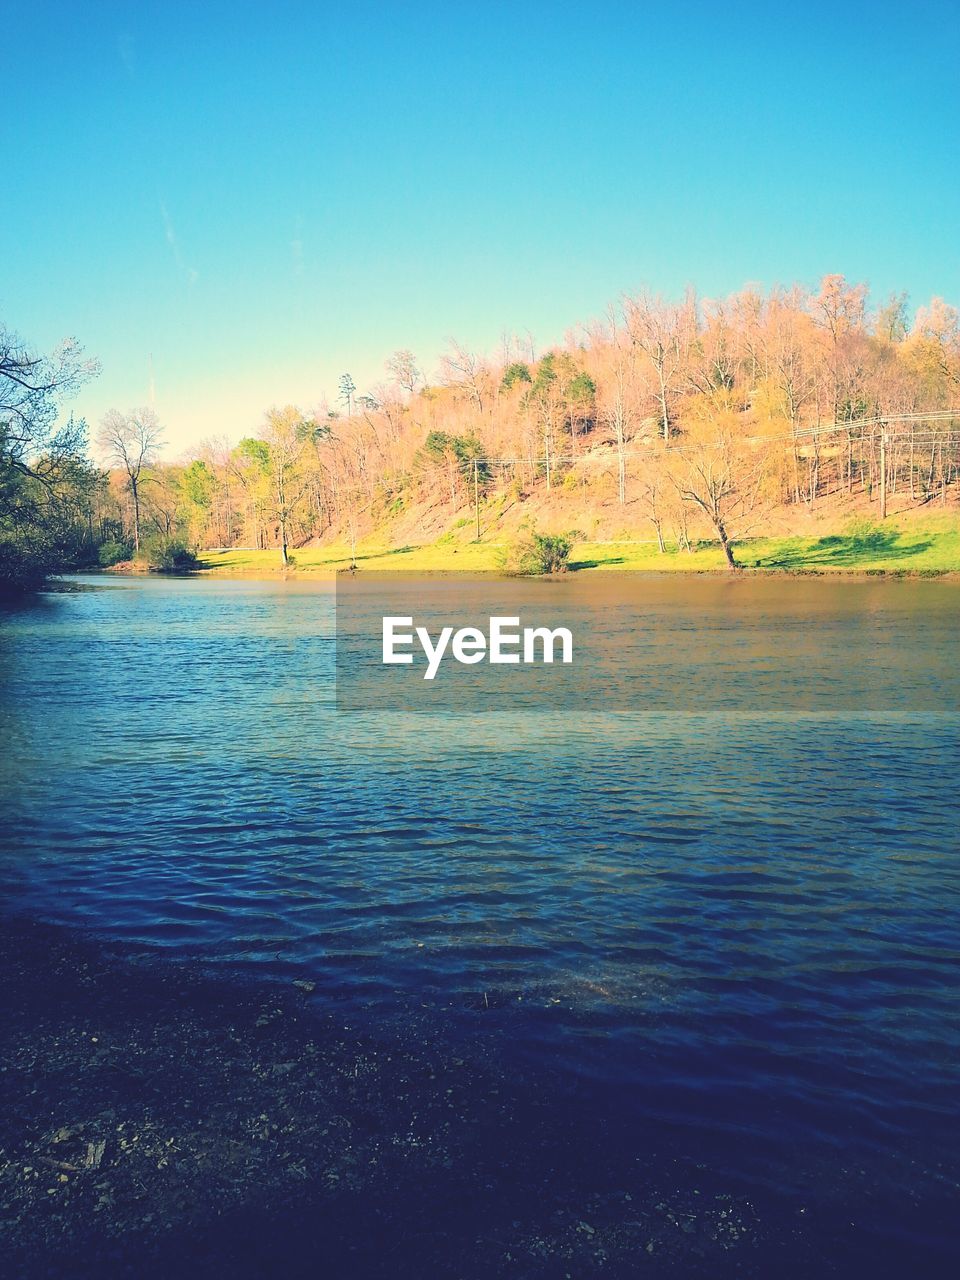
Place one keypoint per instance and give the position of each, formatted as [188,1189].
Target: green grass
[927,550]
[921,549]
[325,561]
[932,547]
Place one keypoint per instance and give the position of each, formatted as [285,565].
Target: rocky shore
[159,1120]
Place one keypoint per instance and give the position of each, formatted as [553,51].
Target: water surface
[724,903]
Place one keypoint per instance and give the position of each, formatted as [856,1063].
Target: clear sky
[261,197]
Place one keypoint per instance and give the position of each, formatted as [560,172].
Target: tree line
[48,489]
[690,416]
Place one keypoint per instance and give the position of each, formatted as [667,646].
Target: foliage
[696,416]
[113,552]
[198,484]
[539,553]
[514,374]
[255,452]
[169,556]
[43,529]
[347,391]
[581,390]
[461,451]
[546,373]
[46,486]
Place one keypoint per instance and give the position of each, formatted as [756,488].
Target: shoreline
[161,1119]
[330,575]
[294,575]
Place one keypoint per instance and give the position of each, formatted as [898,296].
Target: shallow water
[731,919]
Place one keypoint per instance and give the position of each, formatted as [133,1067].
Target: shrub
[539,553]
[113,552]
[168,555]
[25,561]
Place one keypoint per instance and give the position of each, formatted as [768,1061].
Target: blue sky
[263,197]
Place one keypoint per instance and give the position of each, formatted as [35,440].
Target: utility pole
[476,492]
[883,471]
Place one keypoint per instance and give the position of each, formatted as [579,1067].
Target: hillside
[680,425]
[835,534]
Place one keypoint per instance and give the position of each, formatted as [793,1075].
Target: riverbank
[160,1121]
[157,1120]
[927,548]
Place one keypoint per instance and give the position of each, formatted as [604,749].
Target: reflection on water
[734,920]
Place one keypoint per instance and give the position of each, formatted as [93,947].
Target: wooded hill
[667,420]
[691,418]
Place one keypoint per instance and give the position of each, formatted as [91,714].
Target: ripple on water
[736,923]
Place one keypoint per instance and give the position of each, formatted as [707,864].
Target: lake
[721,904]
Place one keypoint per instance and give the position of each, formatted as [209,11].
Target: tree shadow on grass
[850,550]
[346,560]
[370,555]
[595,564]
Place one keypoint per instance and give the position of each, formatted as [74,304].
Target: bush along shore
[159,1120]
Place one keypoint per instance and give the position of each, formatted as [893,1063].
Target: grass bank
[929,547]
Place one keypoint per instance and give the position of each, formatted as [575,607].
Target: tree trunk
[725,543]
[664,414]
[683,535]
[136,513]
[796,466]
[282,513]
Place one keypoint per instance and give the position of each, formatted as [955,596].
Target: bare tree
[839,311]
[663,332]
[936,339]
[31,389]
[789,359]
[385,401]
[616,415]
[288,437]
[655,496]
[131,441]
[723,475]
[462,368]
[405,371]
